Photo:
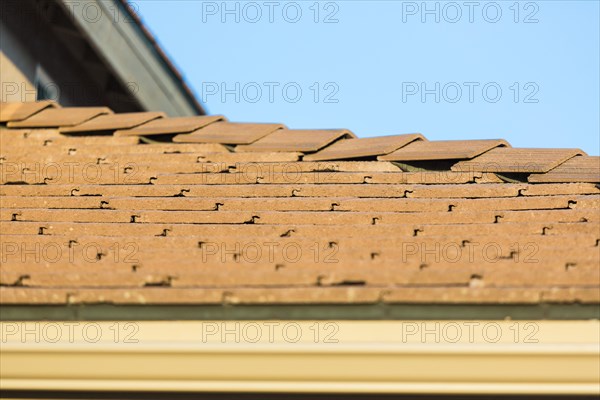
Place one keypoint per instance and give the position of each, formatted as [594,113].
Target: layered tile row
[138,208]
[551,247]
[408,152]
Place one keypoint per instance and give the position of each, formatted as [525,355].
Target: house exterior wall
[48,59]
[52,51]
[17,69]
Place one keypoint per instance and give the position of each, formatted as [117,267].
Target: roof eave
[126,46]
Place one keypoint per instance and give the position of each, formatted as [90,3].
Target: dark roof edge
[110,312]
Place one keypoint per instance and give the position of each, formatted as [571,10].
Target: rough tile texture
[55,117]
[170,126]
[306,141]
[229,133]
[18,111]
[577,169]
[443,150]
[90,219]
[113,122]
[368,147]
[512,160]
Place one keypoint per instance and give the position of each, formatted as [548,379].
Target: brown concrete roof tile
[305,141]
[36,133]
[50,202]
[63,172]
[510,228]
[457,295]
[303,166]
[424,177]
[577,169]
[482,255]
[27,146]
[560,188]
[171,126]
[514,203]
[586,202]
[238,158]
[19,111]
[100,229]
[50,215]
[434,218]
[252,176]
[108,295]
[405,205]
[274,204]
[332,295]
[391,233]
[549,216]
[404,190]
[443,150]
[199,278]
[352,190]
[169,149]
[74,141]
[258,177]
[229,133]
[285,190]
[583,295]
[513,160]
[367,147]
[60,117]
[127,152]
[113,122]
[465,191]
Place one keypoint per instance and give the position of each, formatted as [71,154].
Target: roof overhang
[121,40]
[536,357]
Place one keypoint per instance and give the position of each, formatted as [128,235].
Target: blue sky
[526,71]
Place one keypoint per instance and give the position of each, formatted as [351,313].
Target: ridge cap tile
[577,169]
[114,122]
[518,160]
[364,147]
[170,125]
[234,133]
[17,111]
[301,140]
[60,117]
[444,150]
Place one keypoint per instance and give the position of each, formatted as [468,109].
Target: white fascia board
[511,357]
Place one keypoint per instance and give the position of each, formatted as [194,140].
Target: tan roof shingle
[60,117]
[306,141]
[170,126]
[278,220]
[229,133]
[367,147]
[443,150]
[513,160]
[19,111]
[113,122]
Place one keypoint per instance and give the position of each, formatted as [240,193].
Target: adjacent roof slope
[162,213]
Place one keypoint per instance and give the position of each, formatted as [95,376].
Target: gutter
[547,357]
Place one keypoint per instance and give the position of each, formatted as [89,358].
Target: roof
[134,55]
[132,209]
[160,53]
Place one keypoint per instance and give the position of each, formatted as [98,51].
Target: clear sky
[525,71]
